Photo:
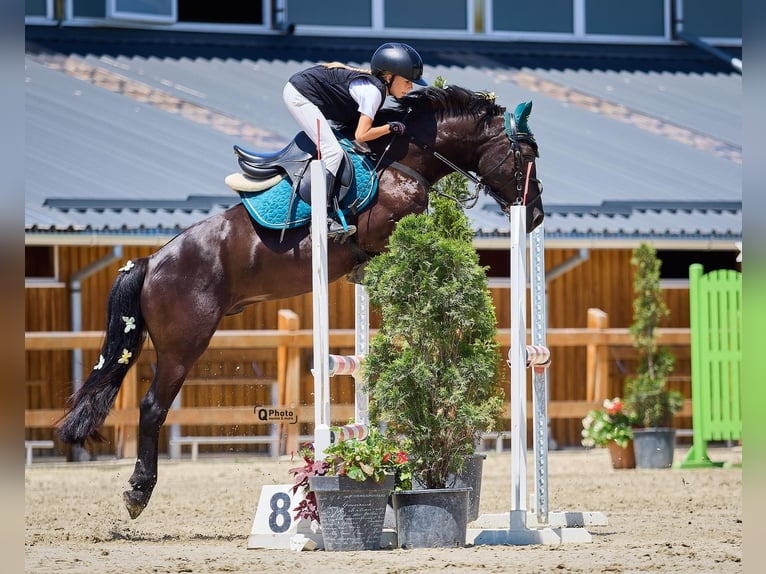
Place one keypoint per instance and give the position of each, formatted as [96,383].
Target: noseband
[514,138]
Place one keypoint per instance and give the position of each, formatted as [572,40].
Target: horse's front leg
[399,196]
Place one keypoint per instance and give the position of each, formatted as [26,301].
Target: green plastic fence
[716,360]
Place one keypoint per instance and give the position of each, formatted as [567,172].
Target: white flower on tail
[100,363]
[127,267]
[125,358]
[130,323]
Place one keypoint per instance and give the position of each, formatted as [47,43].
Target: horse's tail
[125,333]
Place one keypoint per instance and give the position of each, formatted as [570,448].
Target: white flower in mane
[127,267]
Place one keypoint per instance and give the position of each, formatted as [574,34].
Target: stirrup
[338,231]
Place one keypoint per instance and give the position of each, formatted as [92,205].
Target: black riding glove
[396,128]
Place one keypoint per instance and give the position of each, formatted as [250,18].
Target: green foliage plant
[646,395]
[371,458]
[433,367]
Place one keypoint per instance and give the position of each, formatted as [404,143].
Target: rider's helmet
[398,59]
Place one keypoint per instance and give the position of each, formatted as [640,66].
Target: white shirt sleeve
[366,95]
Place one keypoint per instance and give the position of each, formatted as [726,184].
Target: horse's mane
[452,101]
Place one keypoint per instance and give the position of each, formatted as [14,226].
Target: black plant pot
[653,447]
[471,477]
[431,518]
[351,513]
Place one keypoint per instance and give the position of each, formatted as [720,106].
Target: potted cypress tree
[646,395]
[433,368]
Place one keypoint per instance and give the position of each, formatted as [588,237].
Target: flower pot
[431,518]
[654,447]
[351,513]
[622,457]
[471,477]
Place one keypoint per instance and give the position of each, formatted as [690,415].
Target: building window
[643,18]
[220,12]
[332,13]
[539,16]
[675,264]
[39,263]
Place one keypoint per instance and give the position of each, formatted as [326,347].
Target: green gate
[716,360]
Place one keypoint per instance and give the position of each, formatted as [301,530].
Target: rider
[347,95]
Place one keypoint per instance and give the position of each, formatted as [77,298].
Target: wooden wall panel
[603,281]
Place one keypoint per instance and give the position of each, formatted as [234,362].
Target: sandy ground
[201,513]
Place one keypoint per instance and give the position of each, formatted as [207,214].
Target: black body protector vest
[328,89]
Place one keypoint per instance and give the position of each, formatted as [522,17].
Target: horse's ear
[521,114]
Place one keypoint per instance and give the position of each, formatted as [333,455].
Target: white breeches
[307,115]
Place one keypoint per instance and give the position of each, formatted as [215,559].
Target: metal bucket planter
[431,518]
[654,447]
[351,513]
[471,477]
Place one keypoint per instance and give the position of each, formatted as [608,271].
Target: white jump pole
[518,362]
[320,296]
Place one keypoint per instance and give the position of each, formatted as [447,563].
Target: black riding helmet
[398,59]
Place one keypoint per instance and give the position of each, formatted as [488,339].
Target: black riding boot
[335,229]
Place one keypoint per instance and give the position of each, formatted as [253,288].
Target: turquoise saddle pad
[271,208]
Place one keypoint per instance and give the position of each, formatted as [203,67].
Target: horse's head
[468,130]
[507,168]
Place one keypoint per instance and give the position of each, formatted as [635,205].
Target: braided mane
[451,101]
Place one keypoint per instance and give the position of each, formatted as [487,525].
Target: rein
[512,133]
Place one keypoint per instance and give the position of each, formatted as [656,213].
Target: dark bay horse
[179,294]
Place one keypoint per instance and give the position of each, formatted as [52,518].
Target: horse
[180,293]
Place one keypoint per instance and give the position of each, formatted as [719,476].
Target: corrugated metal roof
[139,145]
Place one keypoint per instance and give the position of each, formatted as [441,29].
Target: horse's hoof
[134,502]
[356,275]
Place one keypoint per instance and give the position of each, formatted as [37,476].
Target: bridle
[515,138]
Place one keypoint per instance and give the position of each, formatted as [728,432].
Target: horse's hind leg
[153,414]
[168,379]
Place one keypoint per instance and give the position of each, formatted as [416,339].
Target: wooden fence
[288,340]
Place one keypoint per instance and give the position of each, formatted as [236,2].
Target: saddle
[275,188]
[292,162]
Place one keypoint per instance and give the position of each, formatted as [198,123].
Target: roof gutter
[574,242]
[679,34]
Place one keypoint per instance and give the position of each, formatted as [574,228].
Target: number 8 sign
[274,525]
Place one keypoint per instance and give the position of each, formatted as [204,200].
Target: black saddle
[293,162]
